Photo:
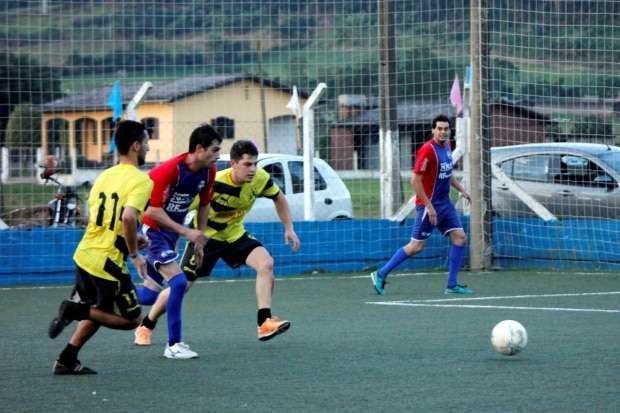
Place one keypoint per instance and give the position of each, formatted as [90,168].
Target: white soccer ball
[509,337]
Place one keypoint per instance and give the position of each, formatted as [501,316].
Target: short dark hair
[203,135]
[128,132]
[441,118]
[242,147]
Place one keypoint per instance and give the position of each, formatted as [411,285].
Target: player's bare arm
[130,225]
[457,185]
[202,217]
[418,187]
[284,213]
[160,216]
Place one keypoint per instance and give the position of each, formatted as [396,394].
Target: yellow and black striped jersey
[231,202]
[102,250]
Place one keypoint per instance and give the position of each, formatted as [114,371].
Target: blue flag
[115,101]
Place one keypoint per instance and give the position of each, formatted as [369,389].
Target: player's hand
[143,241]
[291,236]
[465,195]
[198,255]
[432,214]
[197,237]
[139,262]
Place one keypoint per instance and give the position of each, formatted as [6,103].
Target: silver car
[572,180]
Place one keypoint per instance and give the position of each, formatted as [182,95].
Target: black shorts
[233,253]
[117,297]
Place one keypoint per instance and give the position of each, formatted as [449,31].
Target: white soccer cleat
[179,351]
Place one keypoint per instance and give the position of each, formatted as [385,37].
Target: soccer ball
[509,337]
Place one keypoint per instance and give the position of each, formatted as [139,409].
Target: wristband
[134,255]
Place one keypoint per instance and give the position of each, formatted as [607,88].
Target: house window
[224,126]
[152,125]
[85,131]
[106,131]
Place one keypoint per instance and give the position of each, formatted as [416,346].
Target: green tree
[24,127]
[594,129]
[24,80]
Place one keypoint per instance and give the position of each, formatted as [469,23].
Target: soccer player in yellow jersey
[104,293]
[236,189]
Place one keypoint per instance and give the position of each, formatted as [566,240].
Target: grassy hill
[537,48]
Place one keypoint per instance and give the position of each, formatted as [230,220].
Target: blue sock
[177,284]
[146,295]
[399,256]
[454,264]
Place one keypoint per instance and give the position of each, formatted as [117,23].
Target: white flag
[293,104]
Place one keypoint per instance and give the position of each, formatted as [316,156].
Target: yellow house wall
[159,149]
[239,101]
[89,150]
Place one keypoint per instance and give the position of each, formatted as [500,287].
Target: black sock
[148,323]
[262,315]
[68,356]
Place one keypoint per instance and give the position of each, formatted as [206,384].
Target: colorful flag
[115,101]
[293,104]
[455,95]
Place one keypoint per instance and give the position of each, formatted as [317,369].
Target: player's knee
[413,247]
[265,266]
[459,239]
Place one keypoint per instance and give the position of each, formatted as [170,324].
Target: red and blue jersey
[175,187]
[434,163]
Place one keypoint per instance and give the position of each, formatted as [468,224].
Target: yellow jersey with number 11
[102,252]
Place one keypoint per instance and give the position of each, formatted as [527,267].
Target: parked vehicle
[63,209]
[572,180]
[332,199]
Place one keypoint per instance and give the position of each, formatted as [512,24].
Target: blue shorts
[447,220]
[162,249]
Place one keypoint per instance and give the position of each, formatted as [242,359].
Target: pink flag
[455,95]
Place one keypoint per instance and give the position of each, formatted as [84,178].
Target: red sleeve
[423,159]
[163,176]
[207,193]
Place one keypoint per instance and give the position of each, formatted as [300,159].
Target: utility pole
[479,161]
[389,143]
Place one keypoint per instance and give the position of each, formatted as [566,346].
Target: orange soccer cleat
[271,327]
[143,336]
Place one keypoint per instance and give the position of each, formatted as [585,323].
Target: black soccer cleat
[66,313]
[75,369]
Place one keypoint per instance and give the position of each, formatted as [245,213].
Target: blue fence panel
[44,255]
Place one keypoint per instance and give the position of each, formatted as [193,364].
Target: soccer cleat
[271,327]
[179,351]
[378,283]
[75,369]
[62,319]
[458,289]
[143,336]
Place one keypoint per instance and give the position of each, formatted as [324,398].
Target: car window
[531,168]
[276,170]
[611,158]
[579,171]
[506,167]
[297,177]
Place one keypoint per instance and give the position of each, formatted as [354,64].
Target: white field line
[583,310]
[430,303]
[507,297]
